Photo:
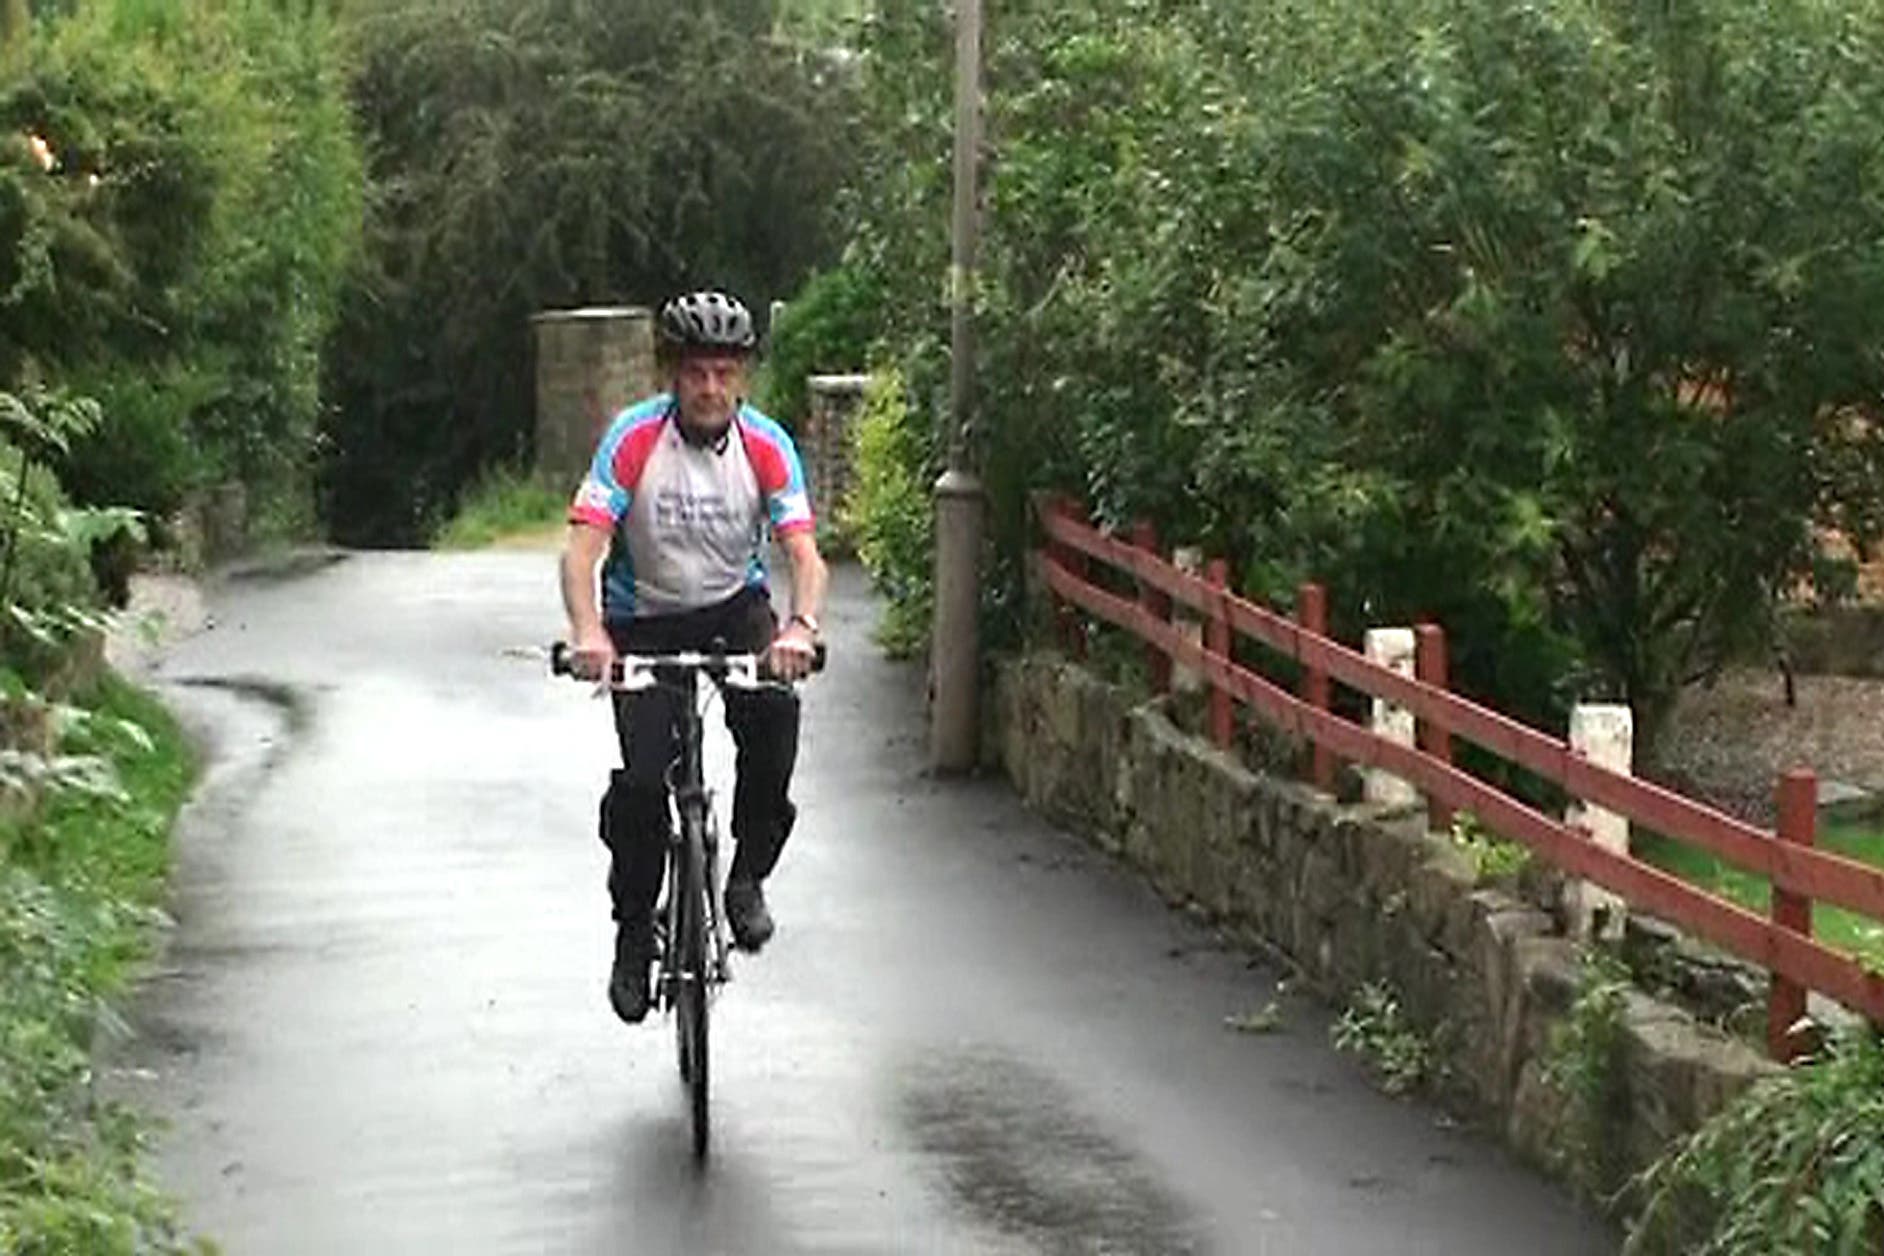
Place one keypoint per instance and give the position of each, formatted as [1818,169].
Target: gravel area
[1728,743]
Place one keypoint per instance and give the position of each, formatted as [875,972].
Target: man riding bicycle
[679,499]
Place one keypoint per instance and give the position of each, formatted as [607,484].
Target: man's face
[708,387]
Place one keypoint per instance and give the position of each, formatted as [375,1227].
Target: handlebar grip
[559,659]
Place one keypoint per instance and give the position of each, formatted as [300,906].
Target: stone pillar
[1394,648]
[590,365]
[824,446]
[1188,559]
[1605,735]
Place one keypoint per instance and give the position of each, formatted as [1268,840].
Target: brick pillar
[590,365]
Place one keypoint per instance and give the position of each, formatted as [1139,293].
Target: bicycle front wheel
[690,1023]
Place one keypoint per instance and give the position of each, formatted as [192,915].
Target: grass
[504,503]
[1836,926]
[79,885]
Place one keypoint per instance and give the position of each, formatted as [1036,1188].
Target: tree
[178,255]
[1550,321]
[540,154]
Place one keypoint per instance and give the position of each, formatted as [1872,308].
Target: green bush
[531,155]
[888,515]
[1546,321]
[502,502]
[1796,1165]
[828,328]
[78,887]
[181,260]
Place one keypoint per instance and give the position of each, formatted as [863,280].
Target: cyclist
[682,492]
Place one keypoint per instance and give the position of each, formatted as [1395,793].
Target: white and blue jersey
[688,523]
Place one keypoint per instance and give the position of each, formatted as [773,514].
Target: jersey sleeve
[608,489]
[781,475]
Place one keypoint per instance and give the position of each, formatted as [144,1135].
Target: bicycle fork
[695,808]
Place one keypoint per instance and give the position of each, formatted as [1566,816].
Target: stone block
[1268,829]
[1213,881]
[1358,951]
[1258,895]
[1548,973]
[1423,974]
[1466,918]
[1059,712]
[1444,877]
[1535,1120]
[1390,851]
[1320,885]
[1724,1068]
[1660,1052]
[1230,793]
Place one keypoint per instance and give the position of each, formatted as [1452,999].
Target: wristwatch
[809,621]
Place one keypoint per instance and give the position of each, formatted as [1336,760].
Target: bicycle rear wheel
[690,1022]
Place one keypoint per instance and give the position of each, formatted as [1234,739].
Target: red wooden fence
[1799,874]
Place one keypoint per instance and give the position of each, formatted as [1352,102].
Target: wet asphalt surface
[379,1023]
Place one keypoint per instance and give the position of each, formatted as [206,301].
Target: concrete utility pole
[955,648]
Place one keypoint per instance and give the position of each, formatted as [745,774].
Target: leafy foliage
[888,515]
[1546,321]
[830,327]
[1796,1165]
[503,502]
[1493,858]
[1374,1027]
[78,885]
[177,252]
[536,154]
[1585,1066]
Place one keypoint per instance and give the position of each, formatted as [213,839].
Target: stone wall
[1353,893]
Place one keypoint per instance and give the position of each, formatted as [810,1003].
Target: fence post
[1047,505]
[1786,999]
[1158,605]
[1604,734]
[1430,665]
[1072,622]
[1217,642]
[1311,614]
[1391,648]
[1188,559]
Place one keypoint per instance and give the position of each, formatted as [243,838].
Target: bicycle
[691,951]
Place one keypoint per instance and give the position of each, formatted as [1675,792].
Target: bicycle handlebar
[742,671]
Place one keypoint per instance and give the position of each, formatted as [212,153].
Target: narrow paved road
[379,1026]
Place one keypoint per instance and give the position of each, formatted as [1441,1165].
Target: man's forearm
[809,579]
[579,560]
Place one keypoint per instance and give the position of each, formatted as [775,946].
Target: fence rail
[1799,874]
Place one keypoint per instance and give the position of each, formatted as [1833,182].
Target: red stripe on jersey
[768,462]
[631,456]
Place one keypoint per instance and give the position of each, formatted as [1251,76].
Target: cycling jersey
[687,522]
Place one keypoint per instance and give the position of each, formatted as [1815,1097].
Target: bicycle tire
[676,966]
[691,1023]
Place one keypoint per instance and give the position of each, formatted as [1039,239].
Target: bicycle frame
[694,843]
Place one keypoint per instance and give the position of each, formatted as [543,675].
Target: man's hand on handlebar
[590,655]
[793,653]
